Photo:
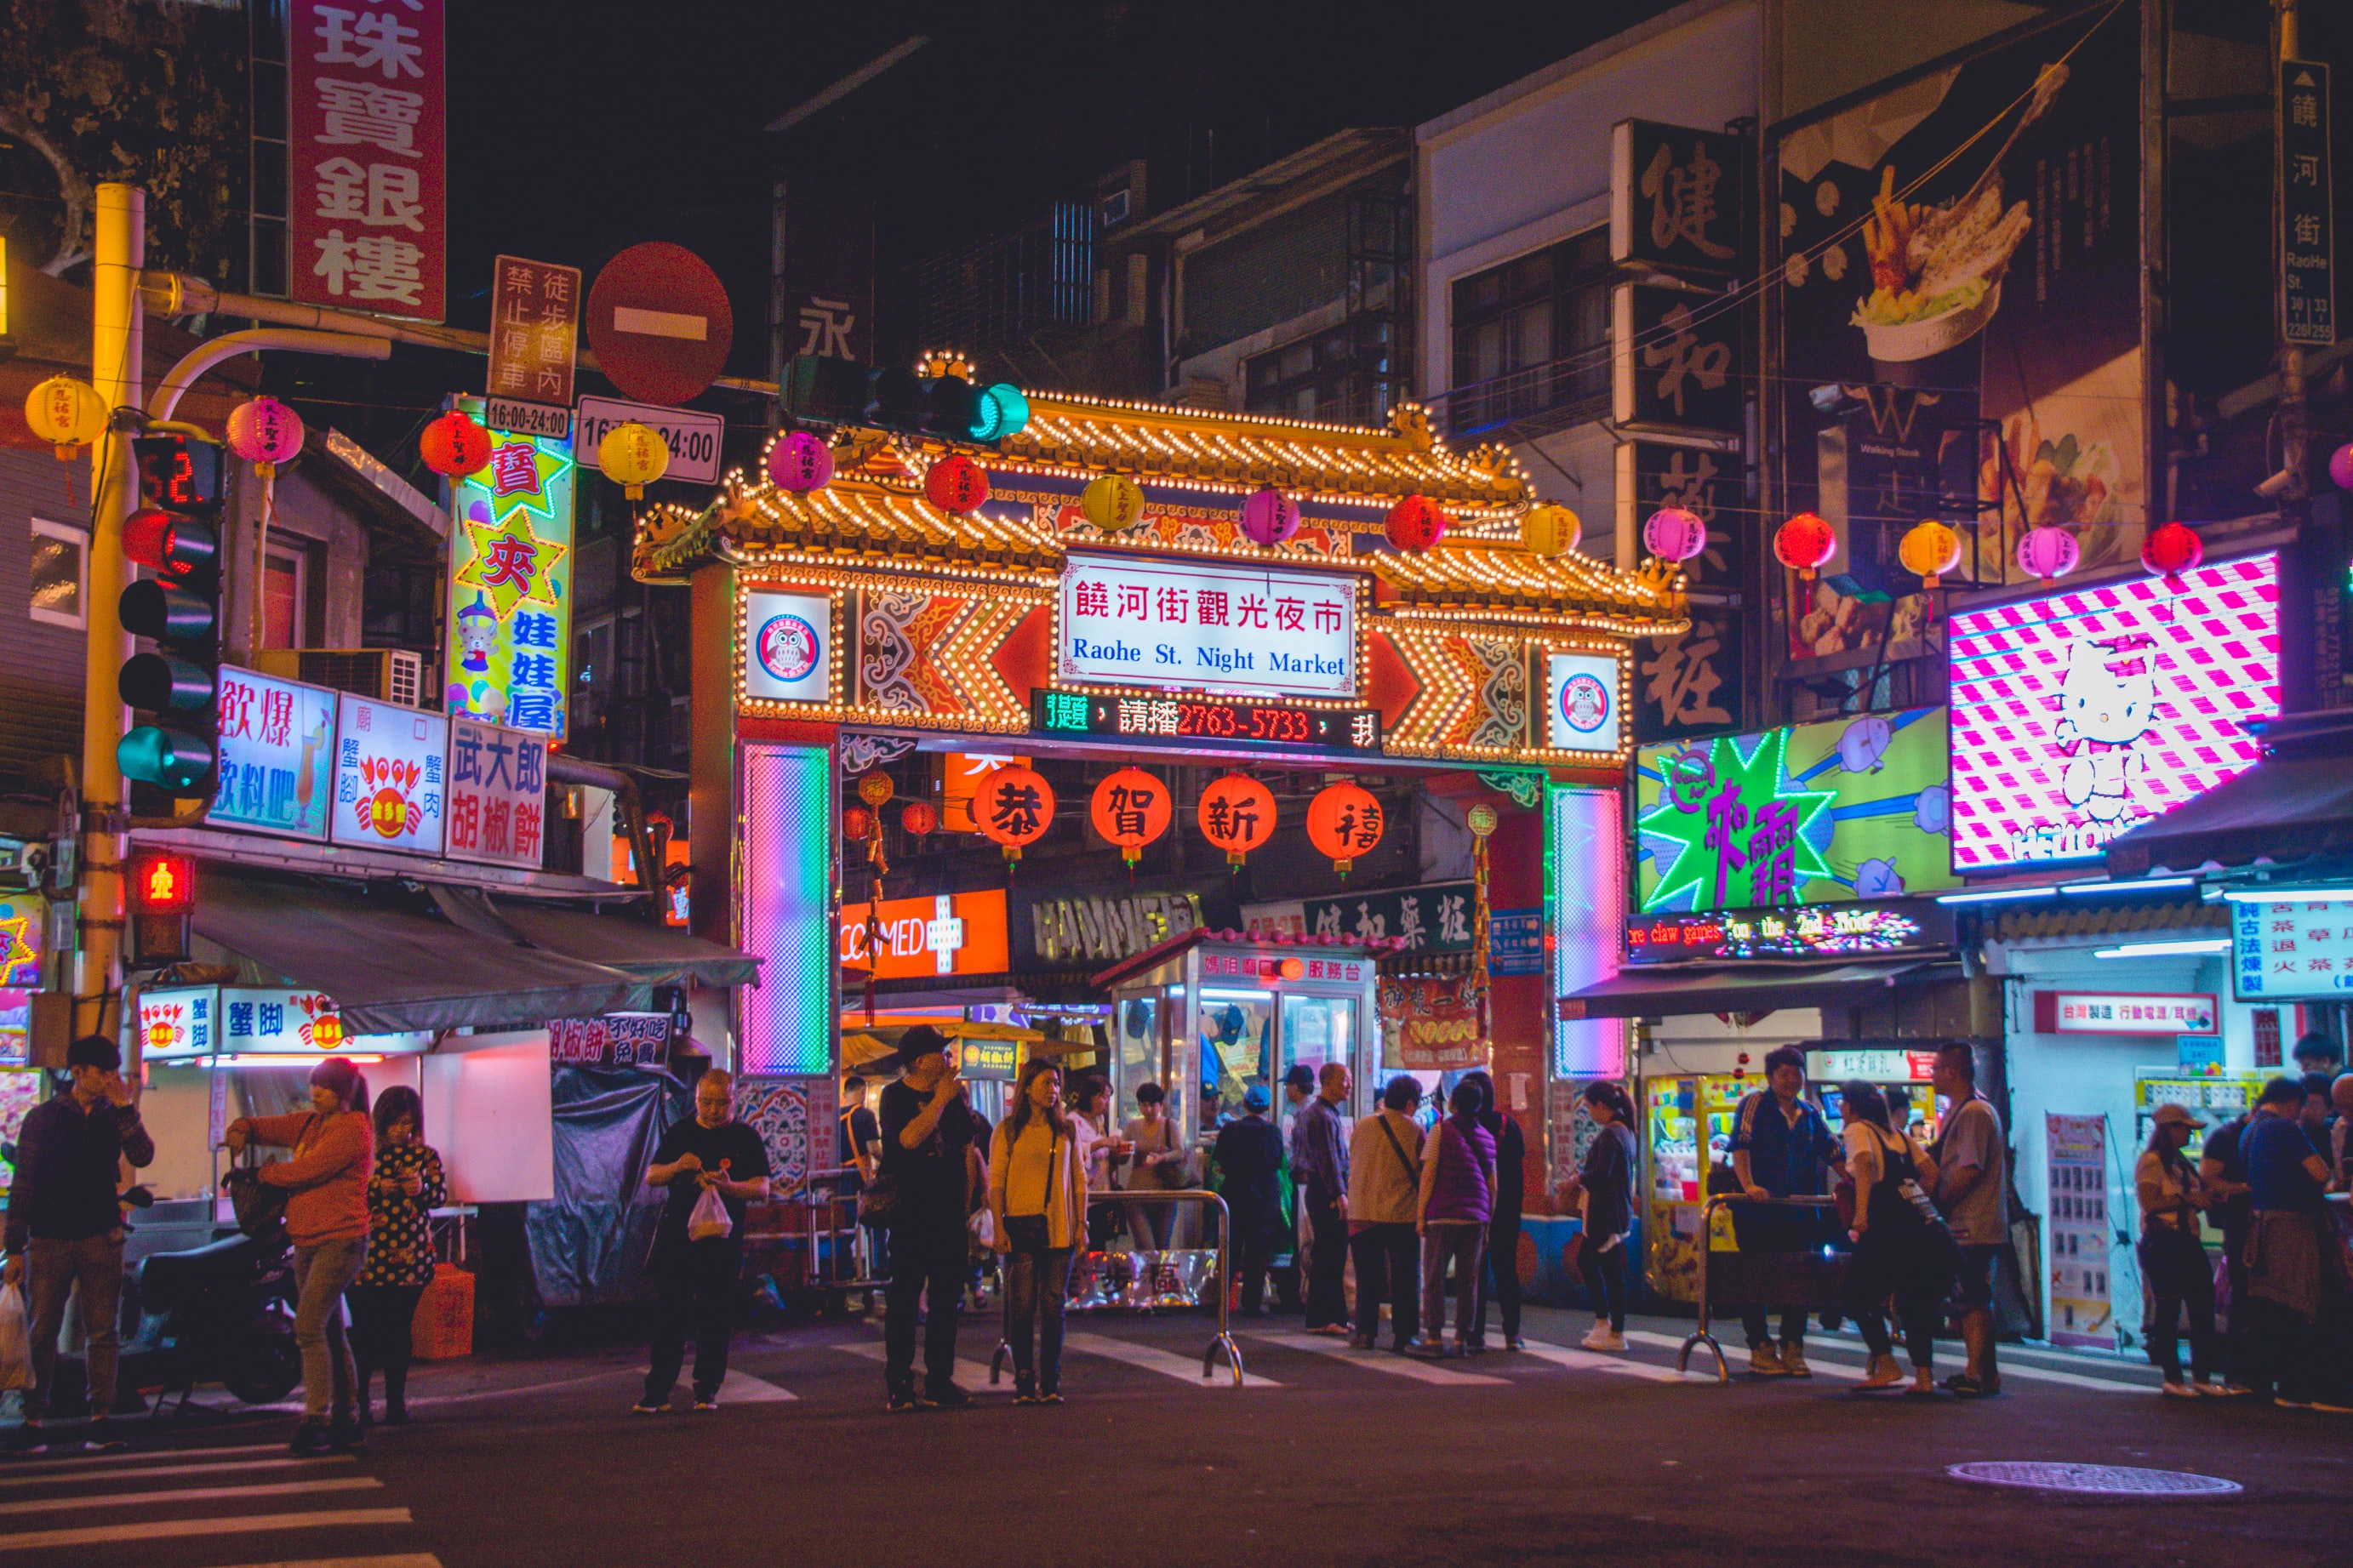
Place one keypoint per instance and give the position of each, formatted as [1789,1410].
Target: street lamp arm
[206,356]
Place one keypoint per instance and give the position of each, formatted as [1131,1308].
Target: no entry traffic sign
[659,322]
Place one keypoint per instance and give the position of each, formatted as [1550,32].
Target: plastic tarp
[590,1243]
[654,953]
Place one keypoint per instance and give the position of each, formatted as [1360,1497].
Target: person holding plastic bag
[712,1166]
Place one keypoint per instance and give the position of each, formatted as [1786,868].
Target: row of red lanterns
[1806,542]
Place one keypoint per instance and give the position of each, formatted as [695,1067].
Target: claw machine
[1687,1130]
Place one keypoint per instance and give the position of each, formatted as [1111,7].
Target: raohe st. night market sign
[1141,621]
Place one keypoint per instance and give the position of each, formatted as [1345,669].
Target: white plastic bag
[15,1341]
[710,1218]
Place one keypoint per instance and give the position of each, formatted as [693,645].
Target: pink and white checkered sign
[2077,717]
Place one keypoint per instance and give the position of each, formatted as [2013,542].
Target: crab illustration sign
[390,777]
[2077,717]
[510,606]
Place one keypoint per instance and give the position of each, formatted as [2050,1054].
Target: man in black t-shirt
[927,1128]
[2223,1171]
[694,1278]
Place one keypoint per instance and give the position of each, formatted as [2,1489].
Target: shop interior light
[2283,895]
[1997,895]
[2149,885]
[2184,949]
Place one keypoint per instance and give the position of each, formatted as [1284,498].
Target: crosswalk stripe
[1595,1361]
[113,1476]
[1166,1362]
[195,1494]
[395,1560]
[1839,1369]
[166,1528]
[85,1462]
[743,1388]
[973,1376]
[1379,1361]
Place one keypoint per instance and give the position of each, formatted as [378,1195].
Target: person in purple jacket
[1458,1198]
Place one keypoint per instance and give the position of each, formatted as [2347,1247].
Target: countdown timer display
[1216,718]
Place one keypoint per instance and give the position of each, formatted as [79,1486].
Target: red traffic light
[168,545]
[162,885]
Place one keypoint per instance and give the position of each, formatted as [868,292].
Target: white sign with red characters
[175,1021]
[498,793]
[1137,621]
[389,763]
[2124,1013]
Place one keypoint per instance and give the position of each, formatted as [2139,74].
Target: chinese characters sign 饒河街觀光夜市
[1135,621]
[277,755]
[2077,716]
[1848,809]
[367,186]
[498,795]
[510,611]
[2291,949]
[389,780]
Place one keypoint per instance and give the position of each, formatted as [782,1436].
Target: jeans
[878,1251]
[1327,1259]
[1605,1277]
[927,1260]
[1253,1245]
[1152,1226]
[1499,1277]
[1882,1267]
[322,1272]
[1461,1242]
[694,1291]
[384,1318]
[1036,1291]
[2179,1277]
[52,1269]
[1389,1269]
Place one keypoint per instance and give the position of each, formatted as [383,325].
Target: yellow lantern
[1550,529]
[66,412]
[1113,503]
[633,456]
[1929,552]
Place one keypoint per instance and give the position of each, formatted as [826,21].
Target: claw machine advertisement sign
[2081,1310]
[510,584]
[1827,813]
[390,777]
[1964,245]
[2077,717]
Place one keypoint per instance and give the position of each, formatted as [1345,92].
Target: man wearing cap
[1250,1162]
[927,1129]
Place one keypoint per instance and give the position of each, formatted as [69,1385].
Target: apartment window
[285,599]
[60,574]
[1326,376]
[1532,336]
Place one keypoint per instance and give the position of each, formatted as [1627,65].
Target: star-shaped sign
[522,475]
[511,563]
[15,950]
[1733,831]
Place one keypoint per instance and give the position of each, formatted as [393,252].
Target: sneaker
[104,1437]
[2173,1388]
[2232,1391]
[1967,1387]
[1331,1330]
[643,1408]
[345,1438]
[1764,1361]
[1416,1345]
[1513,1342]
[2320,1405]
[902,1404]
[1476,1346]
[950,1397]
[1601,1339]
[2291,1404]
[309,1439]
[1882,1374]
[1793,1360]
[1050,1397]
[709,1404]
[1024,1395]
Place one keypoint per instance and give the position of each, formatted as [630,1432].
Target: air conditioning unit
[386,674]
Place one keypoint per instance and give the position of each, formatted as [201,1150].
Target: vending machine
[1687,1132]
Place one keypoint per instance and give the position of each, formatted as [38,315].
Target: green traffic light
[171,760]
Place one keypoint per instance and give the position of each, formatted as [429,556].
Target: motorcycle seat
[166,1279]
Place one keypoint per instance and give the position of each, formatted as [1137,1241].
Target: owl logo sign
[1584,704]
[1586,714]
[787,648]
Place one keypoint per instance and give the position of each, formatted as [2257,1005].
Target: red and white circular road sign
[659,322]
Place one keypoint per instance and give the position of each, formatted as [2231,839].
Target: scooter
[220,1314]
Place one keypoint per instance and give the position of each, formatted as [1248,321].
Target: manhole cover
[2106,1480]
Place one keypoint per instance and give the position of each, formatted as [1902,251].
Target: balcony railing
[1539,398]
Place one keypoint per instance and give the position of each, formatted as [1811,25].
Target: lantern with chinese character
[454,445]
[1416,524]
[799,462]
[1804,544]
[1113,502]
[2048,552]
[2171,548]
[1269,518]
[66,412]
[1344,821]
[2340,465]
[633,456]
[1674,534]
[265,433]
[857,821]
[1929,552]
[1131,808]
[1014,807]
[875,789]
[955,484]
[919,818]
[1550,530]
[1237,815]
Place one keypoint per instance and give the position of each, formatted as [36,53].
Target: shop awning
[391,972]
[2282,810]
[1747,988]
[657,954]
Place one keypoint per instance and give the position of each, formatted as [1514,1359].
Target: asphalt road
[1546,1457]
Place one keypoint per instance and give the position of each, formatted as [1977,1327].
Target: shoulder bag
[259,1206]
[1412,1172]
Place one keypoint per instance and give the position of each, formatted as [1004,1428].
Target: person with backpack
[1499,1275]
[1384,1212]
[1457,1199]
[1900,1247]
[1037,1205]
[695,1275]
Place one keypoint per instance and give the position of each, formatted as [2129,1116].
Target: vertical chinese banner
[511,586]
[534,339]
[367,185]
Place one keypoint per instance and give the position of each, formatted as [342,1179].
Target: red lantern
[919,818]
[1237,815]
[857,821]
[2172,547]
[1344,822]
[1415,523]
[955,484]
[1014,807]
[1803,543]
[1131,808]
[454,445]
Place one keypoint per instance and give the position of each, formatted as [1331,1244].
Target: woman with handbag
[408,1186]
[1901,1246]
[1037,1199]
[327,1219]
[1159,1161]
[1457,1198]
[2173,1256]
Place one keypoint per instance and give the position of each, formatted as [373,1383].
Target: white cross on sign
[944,934]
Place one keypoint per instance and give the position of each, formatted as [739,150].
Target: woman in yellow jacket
[1037,1203]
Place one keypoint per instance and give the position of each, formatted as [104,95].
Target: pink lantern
[1674,535]
[1270,517]
[2048,554]
[799,462]
[2340,465]
[265,433]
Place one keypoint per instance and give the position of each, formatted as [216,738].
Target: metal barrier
[1222,1341]
[1781,1295]
[825,1224]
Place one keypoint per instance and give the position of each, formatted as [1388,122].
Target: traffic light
[162,895]
[892,397]
[175,535]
